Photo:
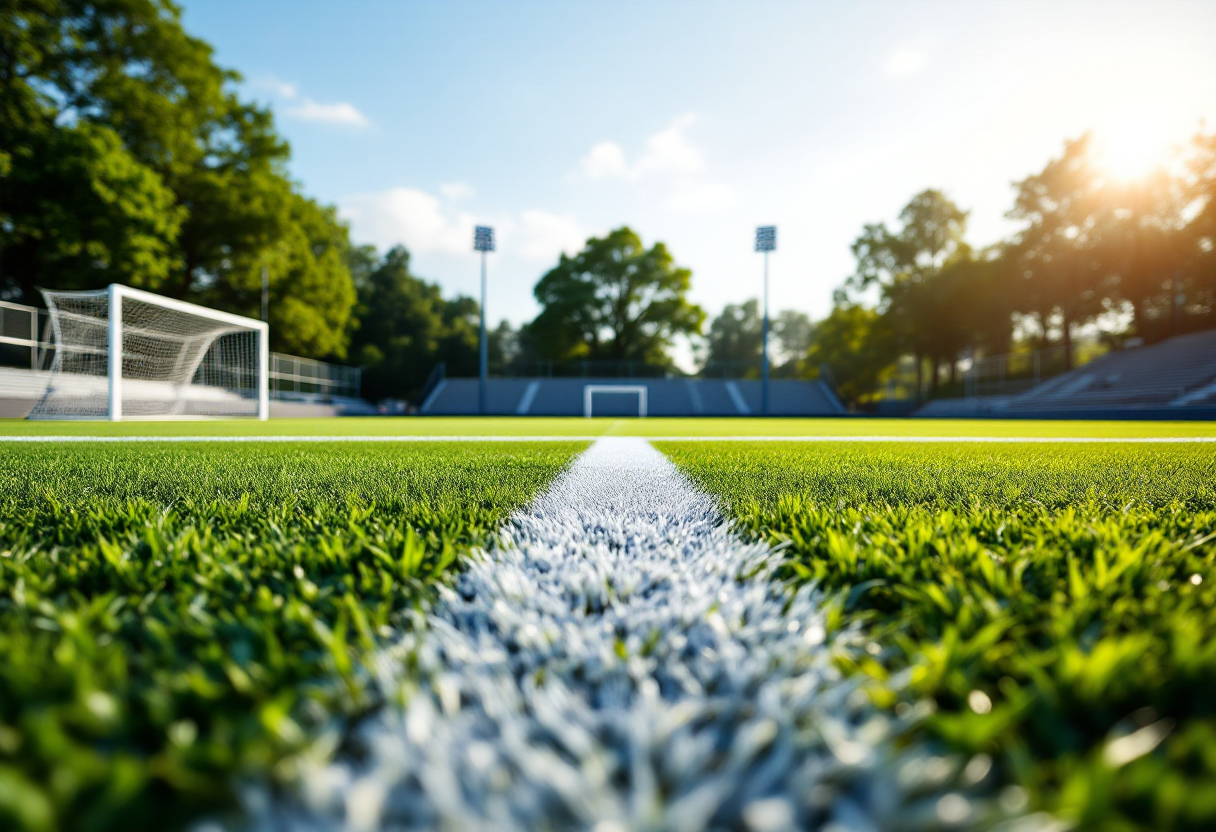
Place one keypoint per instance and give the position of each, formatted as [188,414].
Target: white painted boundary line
[623,661]
[1116,440]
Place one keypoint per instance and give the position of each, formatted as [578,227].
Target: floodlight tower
[766,241]
[483,241]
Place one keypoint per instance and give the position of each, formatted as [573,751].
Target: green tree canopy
[126,157]
[907,266]
[614,300]
[734,338]
[854,347]
[733,342]
[406,327]
[794,332]
[1200,233]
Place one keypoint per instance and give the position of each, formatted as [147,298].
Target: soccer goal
[122,353]
[590,390]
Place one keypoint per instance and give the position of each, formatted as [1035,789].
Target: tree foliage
[851,351]
[1087,245]
[734,336]
[733,342]
[614,300]
[128,158]
[406,327]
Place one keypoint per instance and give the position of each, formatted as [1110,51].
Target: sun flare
[1133,149]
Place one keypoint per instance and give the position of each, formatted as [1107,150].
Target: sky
[694,122]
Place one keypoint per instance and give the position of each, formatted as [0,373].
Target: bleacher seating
[665,397]
[1173,375]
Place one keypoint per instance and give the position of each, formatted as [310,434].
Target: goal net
[122,353]
[634,391]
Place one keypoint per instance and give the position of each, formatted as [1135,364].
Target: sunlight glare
[1132,149]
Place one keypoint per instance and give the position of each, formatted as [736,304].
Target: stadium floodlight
[766,241]
[483,241]
[122,353]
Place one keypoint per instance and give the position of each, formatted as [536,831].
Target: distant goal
[591,390]
[123,353]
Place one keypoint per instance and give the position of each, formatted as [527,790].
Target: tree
[127,157]
[615,300]
[312,294]
[905,266]
[1199,236]
[794,332]
[406,327]
[1057,253]
[854,347]
[81,212]
[733,340]
[733,343]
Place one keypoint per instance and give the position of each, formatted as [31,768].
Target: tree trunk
[920,368]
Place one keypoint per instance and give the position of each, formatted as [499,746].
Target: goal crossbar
[589,390]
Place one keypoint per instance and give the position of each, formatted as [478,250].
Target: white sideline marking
[592,438]
[621,661]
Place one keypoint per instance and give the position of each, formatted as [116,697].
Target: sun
[1132,149]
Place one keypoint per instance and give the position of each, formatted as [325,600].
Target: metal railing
[25,337]
[297,378]
[1017,372]
[585,368]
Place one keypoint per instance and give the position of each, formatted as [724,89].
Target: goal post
[589,391]
[123,353]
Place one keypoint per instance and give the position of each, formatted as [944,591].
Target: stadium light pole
[766,241]
[483,241]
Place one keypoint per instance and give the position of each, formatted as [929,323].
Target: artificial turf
[173,616]
[1055,604]
[457,426]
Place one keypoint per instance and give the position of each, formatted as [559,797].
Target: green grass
[1056,603]
[173,616]
[546,426]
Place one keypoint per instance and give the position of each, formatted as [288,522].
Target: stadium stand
[1173,379]
[665,397]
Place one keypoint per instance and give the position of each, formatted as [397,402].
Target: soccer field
[1033,622]
[459,426]
[1055,603]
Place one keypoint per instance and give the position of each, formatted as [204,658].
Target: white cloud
[905,62]
[605,160]
[279,88]
[306,109]
[456,191]
[543,236]
[341,112]
[671,162]
[426,224]
[411,217]
[668,152]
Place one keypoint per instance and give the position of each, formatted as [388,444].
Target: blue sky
[693,122]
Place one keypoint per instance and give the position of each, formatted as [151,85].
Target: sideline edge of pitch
[586,438]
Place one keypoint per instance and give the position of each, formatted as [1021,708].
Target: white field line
[1114,440]
[622,661]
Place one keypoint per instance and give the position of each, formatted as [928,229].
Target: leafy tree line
[1088,244]
[125,156]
